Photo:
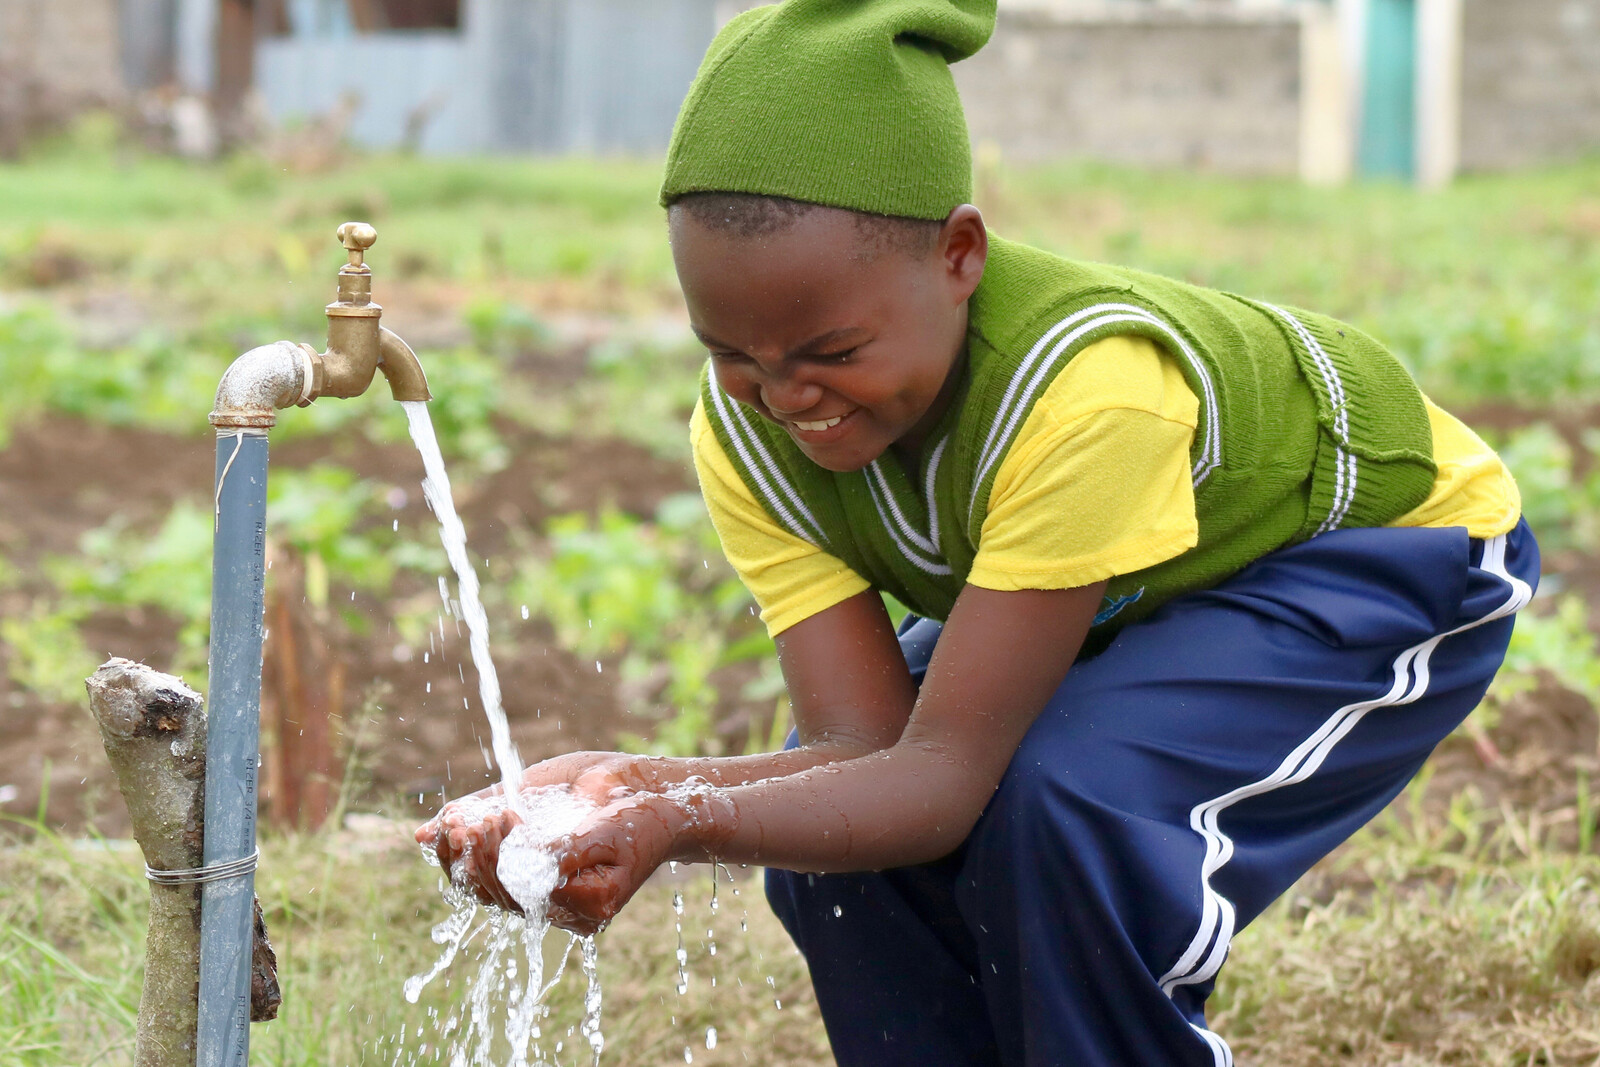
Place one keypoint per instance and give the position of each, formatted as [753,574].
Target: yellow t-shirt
[1096,484]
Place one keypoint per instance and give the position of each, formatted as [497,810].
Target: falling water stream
[510,982]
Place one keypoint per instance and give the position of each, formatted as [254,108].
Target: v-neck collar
[907,501]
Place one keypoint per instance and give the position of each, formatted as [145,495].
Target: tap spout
[261,381]
[400,365]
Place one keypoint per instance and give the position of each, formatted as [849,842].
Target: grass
[1499,967]
[350,925]
[1495,964]
[1486,288]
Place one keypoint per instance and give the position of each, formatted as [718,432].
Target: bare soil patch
[417,726]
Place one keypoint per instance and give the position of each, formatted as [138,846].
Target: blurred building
[1320,88]
[55,59]
[1324,88]
[436,75]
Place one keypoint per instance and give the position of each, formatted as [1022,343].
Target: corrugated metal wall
[528,75]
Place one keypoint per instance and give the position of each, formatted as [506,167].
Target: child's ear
[963,249]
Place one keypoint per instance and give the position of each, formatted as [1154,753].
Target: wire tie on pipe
[216,514]
[211,872]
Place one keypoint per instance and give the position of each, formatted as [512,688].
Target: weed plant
[660,595]
[1492,965]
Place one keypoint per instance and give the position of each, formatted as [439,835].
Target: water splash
[510,980]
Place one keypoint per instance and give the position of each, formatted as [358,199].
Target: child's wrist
[701,817]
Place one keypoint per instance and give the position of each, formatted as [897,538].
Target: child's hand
[613,777]
[606,861]
[469,830]
[600,776]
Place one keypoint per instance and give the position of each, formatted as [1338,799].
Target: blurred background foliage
[541,299]
[131,280]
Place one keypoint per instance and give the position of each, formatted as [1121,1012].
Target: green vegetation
[650,592]
[1426,963]
[1460,928]
[349,926]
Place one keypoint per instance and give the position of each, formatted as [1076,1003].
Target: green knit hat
[847,103]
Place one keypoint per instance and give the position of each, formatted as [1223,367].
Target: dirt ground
[61,477]
[411,734]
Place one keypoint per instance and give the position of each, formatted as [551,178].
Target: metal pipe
[253,388]
[232,737]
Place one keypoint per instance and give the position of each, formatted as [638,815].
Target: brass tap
[358,345]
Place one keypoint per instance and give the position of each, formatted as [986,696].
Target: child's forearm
[905,805]
[657,774]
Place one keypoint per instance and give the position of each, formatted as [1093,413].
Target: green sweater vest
[1306,425]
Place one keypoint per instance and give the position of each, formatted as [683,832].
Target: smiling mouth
[822,424]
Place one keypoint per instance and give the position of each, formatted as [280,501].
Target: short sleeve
[790,578]
[1473,487]
[1098,481]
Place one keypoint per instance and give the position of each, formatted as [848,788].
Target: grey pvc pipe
[232,744]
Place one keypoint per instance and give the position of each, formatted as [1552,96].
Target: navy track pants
[1174,786]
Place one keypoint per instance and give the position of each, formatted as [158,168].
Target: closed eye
[841,356]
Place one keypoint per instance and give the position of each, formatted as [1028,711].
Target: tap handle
[356,237]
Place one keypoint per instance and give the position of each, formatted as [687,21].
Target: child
[1198,581]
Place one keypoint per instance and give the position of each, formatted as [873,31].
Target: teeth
[823,425]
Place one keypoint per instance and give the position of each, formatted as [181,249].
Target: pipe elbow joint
[259,382]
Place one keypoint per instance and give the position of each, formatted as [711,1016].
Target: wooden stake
[154,730]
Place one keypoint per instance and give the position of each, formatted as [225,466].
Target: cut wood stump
[154,730]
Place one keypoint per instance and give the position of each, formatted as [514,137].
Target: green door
[1389,95]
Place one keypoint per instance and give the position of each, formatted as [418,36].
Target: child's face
[849,348]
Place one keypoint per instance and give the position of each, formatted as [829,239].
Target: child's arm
[856,707]
[1000,657]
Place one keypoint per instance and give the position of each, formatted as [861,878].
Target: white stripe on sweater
[1344,485]
[1029,376]
[750,442]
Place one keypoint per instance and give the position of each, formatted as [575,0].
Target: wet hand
[600,776]
[614,778]
[606,861]
[466,837]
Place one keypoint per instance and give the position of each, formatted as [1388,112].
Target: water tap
[277,375]
[357,345]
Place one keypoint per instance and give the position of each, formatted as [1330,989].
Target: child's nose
[786,396]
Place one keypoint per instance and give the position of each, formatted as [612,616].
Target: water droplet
[837,911]
[524,611]
[711,1037]
[688,1056]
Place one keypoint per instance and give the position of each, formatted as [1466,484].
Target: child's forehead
[761,226]
[837,243]
[781,290]
[813,251]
